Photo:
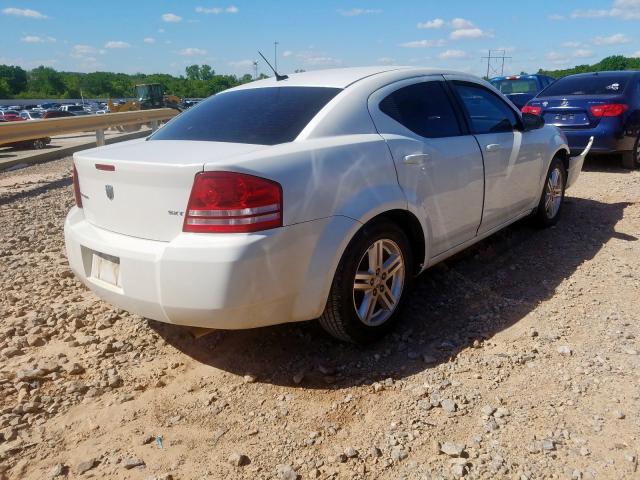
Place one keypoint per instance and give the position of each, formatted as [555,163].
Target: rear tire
[370,284]
[552,197]
[631,160]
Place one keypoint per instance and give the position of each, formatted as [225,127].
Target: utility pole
[255,69]
[495,55]
[275,55]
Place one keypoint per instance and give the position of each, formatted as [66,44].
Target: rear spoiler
[575,164]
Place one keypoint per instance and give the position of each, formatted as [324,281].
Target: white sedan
[321,195]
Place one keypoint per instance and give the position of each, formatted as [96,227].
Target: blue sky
[165,36]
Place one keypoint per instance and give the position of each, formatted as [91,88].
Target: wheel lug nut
[375,293]
[381,288]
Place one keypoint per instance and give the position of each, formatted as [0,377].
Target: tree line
[615,62]
[45,82]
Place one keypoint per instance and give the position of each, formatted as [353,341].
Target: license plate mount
[106,268]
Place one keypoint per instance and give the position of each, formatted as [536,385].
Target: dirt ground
[516,359]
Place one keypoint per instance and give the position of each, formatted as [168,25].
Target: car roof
[614,73]
[338,77]
[515,77]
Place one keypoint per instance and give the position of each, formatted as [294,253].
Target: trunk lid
[573,111]
[141,188]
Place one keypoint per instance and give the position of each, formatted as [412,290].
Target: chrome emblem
[564,103]
[545,104]
[109,190]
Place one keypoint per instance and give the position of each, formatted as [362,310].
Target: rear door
[439,165]
[512,158]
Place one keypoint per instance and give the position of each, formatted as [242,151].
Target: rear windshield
[589,85]
[264,116]
[516,86]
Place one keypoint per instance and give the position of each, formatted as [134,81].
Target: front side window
[262,116]
[486,111]
[423,108]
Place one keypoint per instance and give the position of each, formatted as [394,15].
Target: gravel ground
[516,359]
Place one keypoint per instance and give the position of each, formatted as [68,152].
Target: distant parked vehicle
[605,105]
[31,114]
[75,109]
[521,88]
[50,106]
[56,114]
[36,143]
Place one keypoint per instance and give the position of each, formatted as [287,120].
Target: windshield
[521,85]
[587,85]
[263,116]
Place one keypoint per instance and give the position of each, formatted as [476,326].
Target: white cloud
[356,12]
[217,10]
[556,17]
[24,12]
[116,44]
[386,61]
[423,44]
[312,58]
[79,51]
[149,40]
[636,54]
[461,23]
[557,58]
[466,33]
[435,23]
[582,53]
[161,30]
[287,53]
[572,44]
[616,39]
[242,64]
[192,52]
[624,9]
[170,18]
[37,39]
[449,54]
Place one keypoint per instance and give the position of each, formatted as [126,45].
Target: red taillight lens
[225,202]
[76,188]
[609,109]
[532,110]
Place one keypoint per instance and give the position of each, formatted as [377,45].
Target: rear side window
[523,85]
[423,108]
[587,85]
[263,116]
[486,111]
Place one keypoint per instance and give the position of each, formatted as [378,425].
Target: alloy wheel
[553,193]
[378,282]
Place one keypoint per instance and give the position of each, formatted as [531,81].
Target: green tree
[15,78]
[5,89]
[206,72]
[193,72]
[45,81]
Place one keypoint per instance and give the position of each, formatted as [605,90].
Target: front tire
[552,198]
[370,284]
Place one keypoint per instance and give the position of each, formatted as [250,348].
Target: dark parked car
[521,88]
[605,105]
[36,143]
[57,114]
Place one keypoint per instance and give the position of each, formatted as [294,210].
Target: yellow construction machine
[147,96]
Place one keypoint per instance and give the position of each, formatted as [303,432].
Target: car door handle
[492,147]
[417,159]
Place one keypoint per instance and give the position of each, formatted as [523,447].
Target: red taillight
[76,188]
[225,202]
[532,110]
[609,109]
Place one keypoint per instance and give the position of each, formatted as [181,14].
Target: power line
[495,61]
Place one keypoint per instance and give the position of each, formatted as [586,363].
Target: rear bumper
[230,281]
[607,139]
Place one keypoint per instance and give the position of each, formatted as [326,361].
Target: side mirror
[532,122]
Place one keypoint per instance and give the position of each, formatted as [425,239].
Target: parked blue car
[521,88]
[605,105]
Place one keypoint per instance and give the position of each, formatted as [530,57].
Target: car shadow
[455,305]
[604,163]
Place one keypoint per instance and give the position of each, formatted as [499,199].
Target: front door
[511,156]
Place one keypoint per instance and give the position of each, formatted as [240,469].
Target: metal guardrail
[18,131]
